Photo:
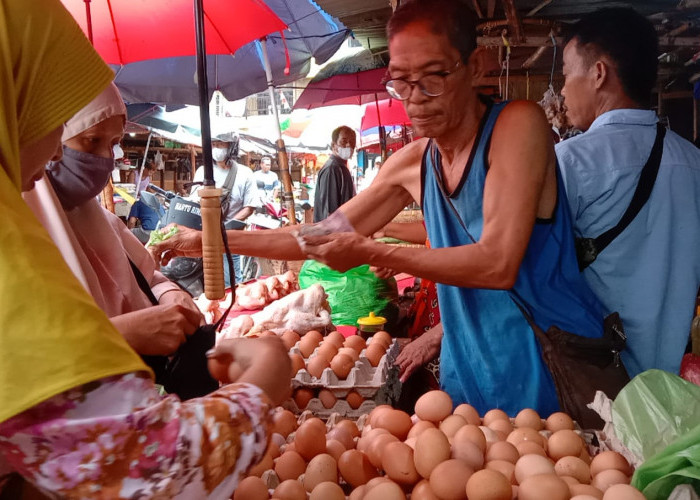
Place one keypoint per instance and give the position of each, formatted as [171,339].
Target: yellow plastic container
[370,324]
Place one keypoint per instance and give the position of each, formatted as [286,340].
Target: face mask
[345,153]
[118,152]
[219,154]
[78,176]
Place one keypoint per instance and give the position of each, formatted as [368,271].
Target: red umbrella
[126,31]
[387,112]
[347,88]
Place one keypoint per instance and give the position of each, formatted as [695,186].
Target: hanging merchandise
[505,67]
[158,161]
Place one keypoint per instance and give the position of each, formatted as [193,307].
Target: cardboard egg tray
[364,378]
[341,407]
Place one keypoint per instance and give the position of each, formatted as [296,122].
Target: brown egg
[505,468]
[504,427]
[530,448]
[432,448]
[585,456]
[327,398]
[610,460]
[327,491]
[377,411]
[341,364]
[584,497]
[529,418]
[354,399]
[419,427]
[488,485]
[521,434]
[335,448]
[397,462]
[495,414]
[468,452]
[366,440]
[355,468]
[608,477]
[502,450]
[382,337]
[316,365]
[449,479]
[320,469]
[422,491]
[302,396]
[374,353]
[314,334]
[469,413]
[559,421]
[289,465]
[349,351]
[328,350]
[541,486]
[268,333]
[297,363]
[375,450]
[564,443]
[315,421]
[251,488]
[452,424]
[273,450]
[336,338]
[307,344]
[265,463]
[284,422]
[490,435]
[569,480]
[585,490]
[355,342]
[386,490]
[291,489]
[473,434]
[623,492]
[289,338]
[574,467]
[396,422]
[310,440]
[532,465]
[358,493]
[349,426]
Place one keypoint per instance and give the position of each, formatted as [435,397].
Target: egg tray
[363,377]
[341,407]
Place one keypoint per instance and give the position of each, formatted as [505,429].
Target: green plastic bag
[352,294]
[657,416]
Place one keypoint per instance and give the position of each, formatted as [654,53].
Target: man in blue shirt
[650,273]
[140,212]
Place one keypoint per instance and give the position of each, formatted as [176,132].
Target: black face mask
[79,176]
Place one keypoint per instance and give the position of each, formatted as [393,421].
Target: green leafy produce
[161,235]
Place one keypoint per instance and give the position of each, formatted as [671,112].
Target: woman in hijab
[98,247]
[79,414]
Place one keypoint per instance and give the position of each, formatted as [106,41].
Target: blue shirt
[148,217]
[490,357]
[650,274]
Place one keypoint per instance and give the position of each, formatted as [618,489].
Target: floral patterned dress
[117,438]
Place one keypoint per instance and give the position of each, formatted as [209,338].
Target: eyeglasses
[431,85]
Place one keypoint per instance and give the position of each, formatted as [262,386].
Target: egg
[289,465]
[530,448]
[503,427]
[419,427]
[397,422]
[302,396]
[289,338]
[316,365]
[495,414]
[284,422]
[488,485]
[273,449]
[355,342]
[568,479]
[320,469]
[382,337]
[541,486]
[327,398]
[452,424]
[490,435]
[251,488]
[468,452]
[564,443]
[397,462]
[355,468]
[374,353]
[574,467]
[328,350]
[505,468]
[473,434]
[342,435]
[469,413]
[623,492]
[367,438]
[375,451]
[310,440]
[265,463]
[521,434]
[606,478]
[529,418]
[354,399]
[585,490]
[314,334]
[422,491]
[502,450]
[341,364]
[585,497]
[336,338]
[376,412]
[349,351]
[610,460]
[448,480]
[297,363]
[386,490]
[349,426]
[307,344]
[432,448]
[335,448]
[357,493]
[558,421]
[327,491]
[291,489]
[532,465]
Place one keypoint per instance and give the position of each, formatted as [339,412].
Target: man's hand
[182,298]
[185,243]
[263,362]
[158,330]
[339,251]
[383,273]
[418,352]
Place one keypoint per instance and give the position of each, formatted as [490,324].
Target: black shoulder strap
[587,249]
[143,284]
[230,178]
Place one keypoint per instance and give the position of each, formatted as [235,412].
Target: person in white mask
[334,184]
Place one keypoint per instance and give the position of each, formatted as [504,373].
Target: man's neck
[222,165]
[459,138]
[610,101]
[345,162]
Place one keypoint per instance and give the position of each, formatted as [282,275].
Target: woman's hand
[182,298]
[185,243]
[418,352]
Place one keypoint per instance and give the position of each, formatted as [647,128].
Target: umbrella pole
[282,158]
[382,135]
[143,164]
[210,196]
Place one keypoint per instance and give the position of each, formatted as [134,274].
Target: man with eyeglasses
[486,177]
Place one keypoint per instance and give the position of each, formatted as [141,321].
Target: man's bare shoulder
[522,117]
[408,156]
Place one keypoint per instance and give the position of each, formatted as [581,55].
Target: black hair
[453,18]
[336,133]
[628,39]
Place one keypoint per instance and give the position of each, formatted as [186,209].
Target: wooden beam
[491,9]
[516,27]
[477,9]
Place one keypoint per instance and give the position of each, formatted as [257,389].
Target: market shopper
[79,414]
[267,181]
[495,164]
[650,273]
[334,184]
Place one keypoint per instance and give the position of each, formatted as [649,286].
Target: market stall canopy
[311,129]
[311,33]
[385,113]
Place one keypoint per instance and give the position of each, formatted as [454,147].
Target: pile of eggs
[438,454]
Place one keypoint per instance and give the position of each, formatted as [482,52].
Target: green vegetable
[161,235]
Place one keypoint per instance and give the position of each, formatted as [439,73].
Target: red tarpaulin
[352,88]
[391,112]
